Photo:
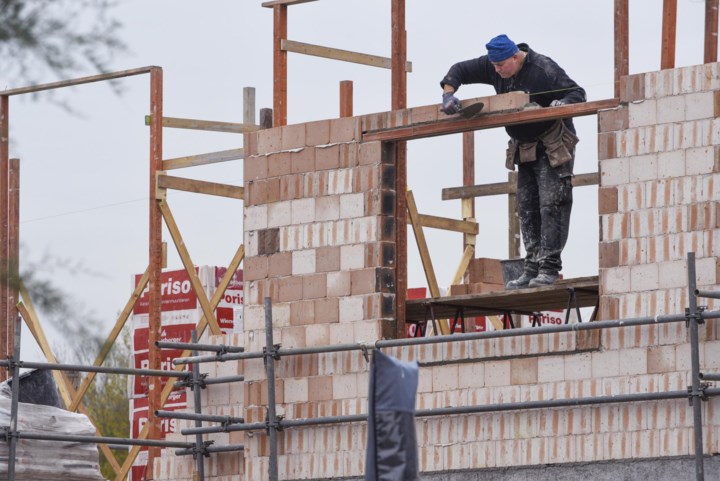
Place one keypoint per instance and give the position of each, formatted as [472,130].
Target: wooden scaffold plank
[200,187]
[339,54]
[203,159]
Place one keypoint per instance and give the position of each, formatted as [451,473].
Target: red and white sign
[176,293]
[139,417]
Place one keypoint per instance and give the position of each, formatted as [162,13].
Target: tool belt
[559,142]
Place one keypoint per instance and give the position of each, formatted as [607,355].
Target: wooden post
[711,31]
[249,105]
[621,43]
[13,248]
[399,101]
[4,165]
[513,221]
[279,65]
[346,98]
[155,254]
[669,27]
[468,205]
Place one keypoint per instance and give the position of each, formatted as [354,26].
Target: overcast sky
[84,179]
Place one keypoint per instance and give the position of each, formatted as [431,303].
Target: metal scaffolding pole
[185,346]
[197,401]
[585,326]
[270,357]
[697,392]
[103,369]
[199,417]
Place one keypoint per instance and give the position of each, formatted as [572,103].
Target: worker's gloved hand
[555,103]
[450,103]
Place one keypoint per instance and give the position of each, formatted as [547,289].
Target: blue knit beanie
[500,48]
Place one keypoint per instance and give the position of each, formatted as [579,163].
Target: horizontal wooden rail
[501,188]
[337,54]
[445,223]
[274,3]
[489,121]
[203,159]
[210,125]
[200,187]
[78,81]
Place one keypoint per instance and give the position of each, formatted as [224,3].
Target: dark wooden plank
[553,297]
[488,121]
[78,81]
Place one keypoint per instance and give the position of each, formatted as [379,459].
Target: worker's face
[508,67]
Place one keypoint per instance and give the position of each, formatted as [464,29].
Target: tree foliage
[57,37]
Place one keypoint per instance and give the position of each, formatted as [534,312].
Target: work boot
[521,281]
[544,279]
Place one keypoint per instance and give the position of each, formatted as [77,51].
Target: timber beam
[200,187]
[502,188]
[489,121]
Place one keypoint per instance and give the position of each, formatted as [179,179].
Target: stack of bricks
[658,197]
[484,275]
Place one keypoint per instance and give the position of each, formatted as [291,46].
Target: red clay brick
[302,313]
[379,306]
[280,264]
[255,168]
[632,88]
[348,155]
[363,281]
[459,290]
[327,310]
[255,193]
[302,161]
[291,289]
[370,153]
[609,254]
[320,388]
[278,164]
[342,130]
[327,157]
[327,259]
[317,133]
[250,144]
[272,190]
[380,254]
[614,119]
[428,113]
[366,177]
[480,287]
[606,146]
[338,284]
[314,286]
[291,187]
[269,140]
[608,309]
[607,200]
[293,136]
[375,121]
[255,268]
[485,270]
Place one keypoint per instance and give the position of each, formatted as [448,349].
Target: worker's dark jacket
[545,81]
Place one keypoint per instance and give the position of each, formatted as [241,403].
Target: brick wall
[319,238]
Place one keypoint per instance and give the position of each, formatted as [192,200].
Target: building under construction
[622,390]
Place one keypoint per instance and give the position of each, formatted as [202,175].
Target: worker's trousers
[544,202]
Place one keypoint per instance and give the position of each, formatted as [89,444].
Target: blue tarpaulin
[391,442]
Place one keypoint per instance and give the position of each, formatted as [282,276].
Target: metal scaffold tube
[101,369]
[199,417]
[585,326]
[697,393]
[212,449]
[186,346]
[270,368]
[197,401]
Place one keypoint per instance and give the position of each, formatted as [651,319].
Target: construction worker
[544,151]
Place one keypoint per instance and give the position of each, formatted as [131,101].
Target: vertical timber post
[621,43]
[13,246]
[669,28]
[399,101]
[513,221]
[155,254]
[249,105]
[711,31]
[468,205]
[279,66]
[346,98]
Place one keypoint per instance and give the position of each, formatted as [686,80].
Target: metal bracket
[5,433]
[276,425]
[274,353]
[701,392]
[203,450]
[697,315]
